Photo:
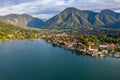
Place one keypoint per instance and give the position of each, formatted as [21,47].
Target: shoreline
[68,49]
[85,52]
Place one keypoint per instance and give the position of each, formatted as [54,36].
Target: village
[92,48]
[75,42]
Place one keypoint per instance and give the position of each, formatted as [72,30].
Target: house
[117,55]
[111,47]
[117,45]
[62,35]
[84,50]
[69,45]
[10,35]
[101,54]
[93,48]
[90,52]
[104,51]
[103,48]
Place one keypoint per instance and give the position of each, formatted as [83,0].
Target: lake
[38,60]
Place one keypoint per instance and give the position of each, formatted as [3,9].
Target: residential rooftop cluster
[87,45]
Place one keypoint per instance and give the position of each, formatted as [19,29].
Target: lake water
[38,60]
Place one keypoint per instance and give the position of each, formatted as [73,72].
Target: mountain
[108,17]
[23,20]
[75,18]
[36,23]
[70,18]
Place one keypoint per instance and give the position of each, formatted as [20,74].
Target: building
[117,55]
[93,48]
[111,47]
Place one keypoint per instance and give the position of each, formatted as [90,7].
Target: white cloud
[48,8]
[44,16]
[117,0]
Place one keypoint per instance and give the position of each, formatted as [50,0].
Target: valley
[81,31]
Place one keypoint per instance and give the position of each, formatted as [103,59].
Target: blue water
[38,60]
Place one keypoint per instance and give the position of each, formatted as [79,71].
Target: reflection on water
[38,60]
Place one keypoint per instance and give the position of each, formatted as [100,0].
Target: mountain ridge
[72,17]
[69,18]
[20,20]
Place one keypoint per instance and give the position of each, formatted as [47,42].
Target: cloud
[49,8]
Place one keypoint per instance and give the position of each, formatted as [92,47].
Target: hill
[23,20]
[11,32]
[75,18]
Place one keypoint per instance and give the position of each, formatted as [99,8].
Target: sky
[46,9]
